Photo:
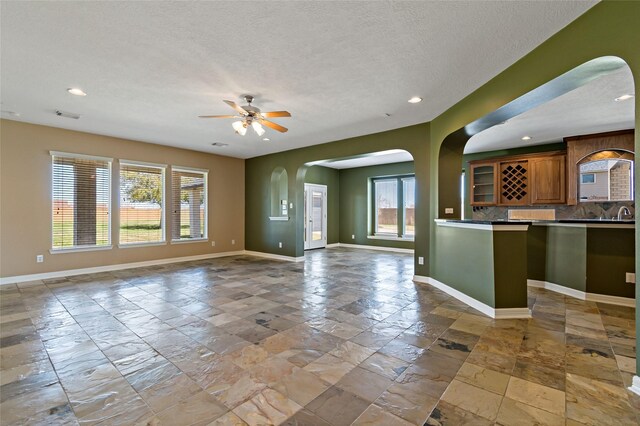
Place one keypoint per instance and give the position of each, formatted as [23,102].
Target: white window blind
[141,203]
[189,204]
[81,201]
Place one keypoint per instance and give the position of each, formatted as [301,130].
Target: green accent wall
[537,253]
[490,266]
[510,269]
[465,261]
[566,257]
[355,207]
[331,178]
[588,259]
[610,254]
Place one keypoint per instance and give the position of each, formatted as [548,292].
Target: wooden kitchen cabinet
[548,179]
[483,184]
[514,183]
[523,180]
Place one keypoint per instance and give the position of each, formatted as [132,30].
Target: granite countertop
[608,221]
[488,222]
[529,222]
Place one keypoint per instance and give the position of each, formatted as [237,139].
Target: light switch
[448,210]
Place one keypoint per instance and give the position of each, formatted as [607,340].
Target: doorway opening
[315,216]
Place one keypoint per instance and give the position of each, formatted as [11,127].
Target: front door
[315,216]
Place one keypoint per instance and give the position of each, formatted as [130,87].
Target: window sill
[389,238]
[135,245]
[79,249]
[279,218]
[190,240]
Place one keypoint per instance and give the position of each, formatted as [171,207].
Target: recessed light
[625,97]
[76,91]
[526,138]
[266,139]
[415,100]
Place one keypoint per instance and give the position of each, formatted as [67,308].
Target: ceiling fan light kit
[251,116]
[240,127]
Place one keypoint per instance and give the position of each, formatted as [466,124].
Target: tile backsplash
[608,210]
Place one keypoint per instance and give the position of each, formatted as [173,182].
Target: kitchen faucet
[623,211]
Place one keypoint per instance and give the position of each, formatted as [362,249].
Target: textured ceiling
[588,109]
[150,68]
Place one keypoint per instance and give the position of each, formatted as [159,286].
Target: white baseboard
[612,300]
[365,247]
[635,385]
[274,256]
[558,289]
[512,313]
[117,267]
[590,297]
[500,313]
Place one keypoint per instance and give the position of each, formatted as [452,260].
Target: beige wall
[25,198]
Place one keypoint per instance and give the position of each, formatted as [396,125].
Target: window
[386,205]
[81,201]
[388,194]
[141,203]
[462,195]
[189,210]
[409,203]
[588,178]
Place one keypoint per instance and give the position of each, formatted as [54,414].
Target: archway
[452,148]
[352,214]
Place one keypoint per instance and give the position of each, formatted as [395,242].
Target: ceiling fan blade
[276,114]
[236,107]
[273,125]
[219,116]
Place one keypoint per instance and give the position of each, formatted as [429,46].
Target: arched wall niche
[279,193]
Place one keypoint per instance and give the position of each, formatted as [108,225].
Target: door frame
[309,244]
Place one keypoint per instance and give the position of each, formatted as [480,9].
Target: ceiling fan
[250,116]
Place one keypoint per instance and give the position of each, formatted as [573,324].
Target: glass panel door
[315,216]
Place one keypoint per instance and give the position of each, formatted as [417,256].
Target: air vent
[67,114]
[219,144]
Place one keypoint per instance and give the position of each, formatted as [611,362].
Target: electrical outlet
[290,205]
[420,260]
[213,243]
[448,210]
[280,244]
[630,277]
[353,237]
[233,242]
[39,258]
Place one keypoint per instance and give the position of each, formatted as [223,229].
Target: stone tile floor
[343,338]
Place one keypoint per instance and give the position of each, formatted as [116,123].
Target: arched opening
[538,159]
[454,146]
[370,201]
